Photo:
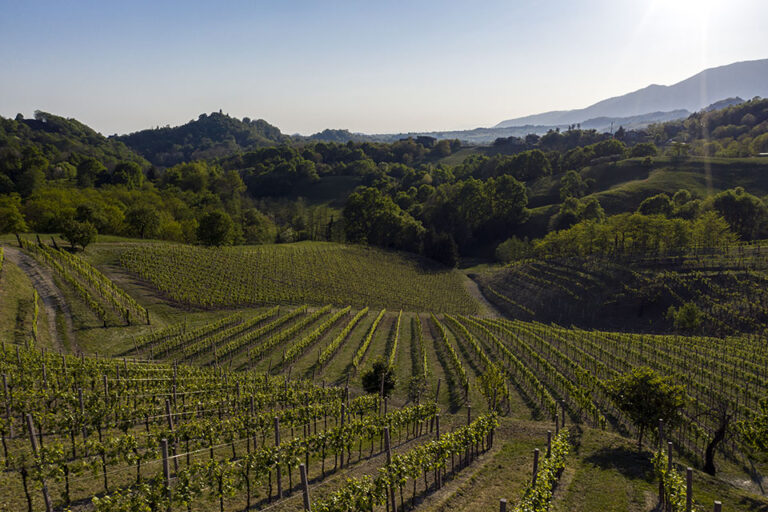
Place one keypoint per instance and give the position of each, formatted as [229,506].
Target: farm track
[488,308]
[52,298]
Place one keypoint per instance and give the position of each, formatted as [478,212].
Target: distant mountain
[488,135]
[741,79]
[209,136]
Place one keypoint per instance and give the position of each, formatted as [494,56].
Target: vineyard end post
[535,466]
[502,505]
[661,434]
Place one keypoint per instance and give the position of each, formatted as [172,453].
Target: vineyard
[728,289]
[262,408]
[288,274]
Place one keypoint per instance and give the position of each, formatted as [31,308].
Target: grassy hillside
[314,273]
[621,186]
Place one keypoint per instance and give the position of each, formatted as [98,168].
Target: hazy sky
[370,66]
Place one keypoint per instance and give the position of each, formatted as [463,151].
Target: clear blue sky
[370,66]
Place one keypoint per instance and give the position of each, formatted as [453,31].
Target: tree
[660,204]
[128,174]
[143,220]
[643,149]
[681,197]
[687,317]
[745,213]
[378,372]
[645,397]
[711,230]
[89,172]
[79,233]
[216,228]
[33,169]
[374,218]
[11,219]
[567,216]
[573,185]
[440,247]
[514,249]
[590,209]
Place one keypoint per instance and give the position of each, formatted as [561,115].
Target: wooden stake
[388,447]
[549,443]
[661,434]
[535,466]
[7,404]
[35,450]
[279,473]
[166,470]
[502,505]
[688,489]
[305,486]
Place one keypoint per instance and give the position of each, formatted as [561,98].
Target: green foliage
[440,247]
[744,212]
[636,233]
[11,219]
[754,431]
[80,233]
[143,220]
[210,136]
[536,498]
[573,185]
[643,149]
[379,373]
[660,204]
[371,217]
[128,174]
[645,397]
[672,483]
[514,249]
[687,317]
[573,211]
[215,229]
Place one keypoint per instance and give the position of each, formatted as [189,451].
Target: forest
[218,180]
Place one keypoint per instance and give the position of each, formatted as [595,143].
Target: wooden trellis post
[36,452]
[305,487]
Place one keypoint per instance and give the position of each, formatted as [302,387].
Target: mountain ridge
[745,79]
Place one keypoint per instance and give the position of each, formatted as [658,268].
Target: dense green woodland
[219,180]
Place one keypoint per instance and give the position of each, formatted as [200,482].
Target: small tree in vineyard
[646,397]
[372,378]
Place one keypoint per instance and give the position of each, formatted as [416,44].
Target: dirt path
[52,298]
[487,309]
